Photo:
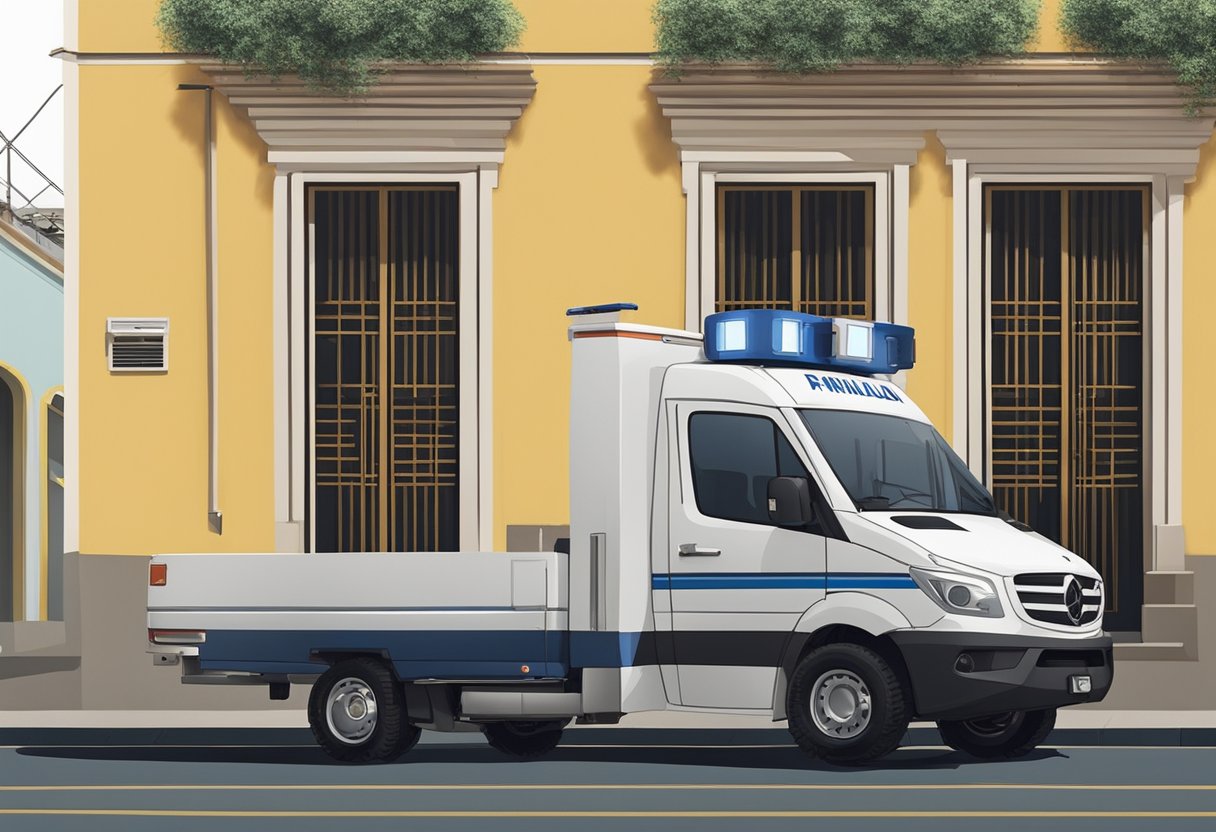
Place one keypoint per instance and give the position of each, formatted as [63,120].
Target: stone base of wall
[101,662]
[1150,684]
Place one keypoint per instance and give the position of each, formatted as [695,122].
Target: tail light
[158,574]
[177,636]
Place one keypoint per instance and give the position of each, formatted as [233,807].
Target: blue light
[778,338]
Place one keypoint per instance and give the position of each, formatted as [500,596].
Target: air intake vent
[137,345]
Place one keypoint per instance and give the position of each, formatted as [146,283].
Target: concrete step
[1169,587]
[1170,623]
[1159,651]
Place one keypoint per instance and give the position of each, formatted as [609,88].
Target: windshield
[891,463]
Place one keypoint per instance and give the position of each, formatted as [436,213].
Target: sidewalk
[1074,727]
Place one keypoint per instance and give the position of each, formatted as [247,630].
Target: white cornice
[1092,113]
[413,115]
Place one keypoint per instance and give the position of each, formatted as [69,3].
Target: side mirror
[789,501]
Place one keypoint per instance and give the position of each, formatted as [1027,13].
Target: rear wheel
[1010,734]
[846,705]
[523,739]
[356,713]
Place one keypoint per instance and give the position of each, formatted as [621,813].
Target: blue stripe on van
[605,649]
[415,654]
[785,580]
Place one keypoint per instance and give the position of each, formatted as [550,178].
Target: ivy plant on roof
[1181,33]
[805,36]
[336,44]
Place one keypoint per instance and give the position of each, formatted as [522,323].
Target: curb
[927,736]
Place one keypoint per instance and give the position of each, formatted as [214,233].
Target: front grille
[1043,596]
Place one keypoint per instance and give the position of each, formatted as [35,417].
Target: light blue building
[31,429]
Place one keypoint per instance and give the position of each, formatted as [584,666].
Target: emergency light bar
[769,336]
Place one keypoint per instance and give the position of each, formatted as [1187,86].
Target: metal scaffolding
[44,225]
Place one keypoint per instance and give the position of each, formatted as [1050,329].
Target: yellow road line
[595,814]
[439,787]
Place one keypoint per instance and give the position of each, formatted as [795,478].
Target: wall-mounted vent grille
[137,345]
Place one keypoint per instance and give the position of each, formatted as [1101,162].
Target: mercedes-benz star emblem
[1073,600]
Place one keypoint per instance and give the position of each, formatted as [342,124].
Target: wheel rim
[994,727]
[350,711]
[841,705]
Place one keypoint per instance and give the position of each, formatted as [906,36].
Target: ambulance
[761,522]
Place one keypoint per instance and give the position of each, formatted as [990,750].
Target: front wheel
[1010,734]
[356,713]
[523,739]
[846,705]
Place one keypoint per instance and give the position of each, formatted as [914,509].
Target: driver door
[738,583]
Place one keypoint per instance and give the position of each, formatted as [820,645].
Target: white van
[762,522]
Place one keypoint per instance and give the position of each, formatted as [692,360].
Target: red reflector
[158,574]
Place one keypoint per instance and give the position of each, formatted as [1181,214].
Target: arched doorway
[12,491]
[52,509]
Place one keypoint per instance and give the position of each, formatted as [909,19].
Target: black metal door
[385,368]
[1065,287]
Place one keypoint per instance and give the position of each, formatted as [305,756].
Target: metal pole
[215,517]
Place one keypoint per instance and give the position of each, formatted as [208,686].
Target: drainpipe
[215,517]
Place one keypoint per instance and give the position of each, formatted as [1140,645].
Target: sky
[29,30]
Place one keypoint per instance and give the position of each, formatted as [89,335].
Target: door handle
[688,550]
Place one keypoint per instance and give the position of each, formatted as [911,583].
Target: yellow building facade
[576,172]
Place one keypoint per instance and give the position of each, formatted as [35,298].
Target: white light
[857,341]
[790,342]
[732,335]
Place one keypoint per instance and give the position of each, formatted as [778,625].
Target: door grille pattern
[803,248]
[385,367]
[1065,280]
[1026,383]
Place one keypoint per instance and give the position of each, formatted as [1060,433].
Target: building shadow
[772,759]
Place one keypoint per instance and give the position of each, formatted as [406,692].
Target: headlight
[962,594]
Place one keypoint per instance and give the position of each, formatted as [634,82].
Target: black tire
[888,713]
[1008,735]
[366,684]
[525,740]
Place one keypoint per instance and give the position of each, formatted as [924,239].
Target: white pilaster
[691,180]
[960,363]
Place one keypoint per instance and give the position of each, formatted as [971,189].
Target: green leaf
[1181,33]
[819,35]
[335,45]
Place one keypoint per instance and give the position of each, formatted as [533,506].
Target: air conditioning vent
[137,345]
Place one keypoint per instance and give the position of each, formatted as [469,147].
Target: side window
[733,458]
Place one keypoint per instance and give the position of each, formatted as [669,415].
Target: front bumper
[1009,673]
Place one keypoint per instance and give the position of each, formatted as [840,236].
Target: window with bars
[385,365]
[1066,278]
[806,248]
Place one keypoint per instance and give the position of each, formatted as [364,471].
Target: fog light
[1080,684]
[964,663]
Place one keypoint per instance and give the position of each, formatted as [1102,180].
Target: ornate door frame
[293,262]
[1164,549]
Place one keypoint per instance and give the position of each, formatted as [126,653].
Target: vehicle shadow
[772,758]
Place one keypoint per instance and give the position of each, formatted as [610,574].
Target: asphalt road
[603,780]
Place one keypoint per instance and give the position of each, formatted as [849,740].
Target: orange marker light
[525,669]
[158,574]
